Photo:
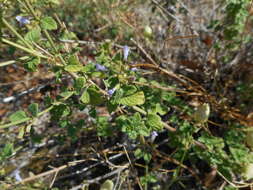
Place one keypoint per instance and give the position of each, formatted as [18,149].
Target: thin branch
[97,179]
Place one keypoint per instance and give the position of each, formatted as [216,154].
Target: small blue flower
[111,91]
[126,51]
[22,20]
[100,67]
[134,69]
[16,175]
[154,134]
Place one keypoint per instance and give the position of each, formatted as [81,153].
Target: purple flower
[154,134]
[111,91]
[126,51]
[134,69]
[22,20]
[16,175]
[100,67]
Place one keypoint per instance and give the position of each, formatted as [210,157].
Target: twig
[42,174]
[164,156]
[91,42]
[5,63]
[168,89]
[97,179]
[144,52]
[89,167]
[167,12]
[52,183]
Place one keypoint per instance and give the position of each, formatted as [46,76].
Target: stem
[33,52]
[13,61]
[30,8]
[146,172]
[138,109]
[16,33]
[25,119]
[15,123]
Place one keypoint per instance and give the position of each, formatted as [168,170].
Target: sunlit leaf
[48,23]
[85,98]
[132,100]
[73,68]
[17,116]
[33,109]
[154,121]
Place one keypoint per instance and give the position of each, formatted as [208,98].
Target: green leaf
[129,90]
[33,109]
[161,109]
[132,100]
[97,97]
[48,23]
[66,94]
[73,60]
[60,111]
[85,98]
[147,157]
[73,68]
[138,153]
[104,128]
[79,83]
[17,116]
[154,121]
[32,64]
[6,151]
[107,185]
[66,35]
[21,132]
[33,35]
[111,107]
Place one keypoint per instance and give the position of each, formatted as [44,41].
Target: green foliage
[32,64]
[34,35]
[183,137]
[139,153]
[17,116]
[149,178]
[138,105]
[48,23]
[33,109]
[235,20]
[154,122]
[137,98]
[73,68]
[133,125]
[217,155]
[104,128]
[6,151]
[85,98]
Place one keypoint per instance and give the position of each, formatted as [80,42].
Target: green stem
[5,63]
[16,33]
[143,112]
[136,108]
[29,7]
[33,52]
[15,123]
[146,173]
[25,119]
